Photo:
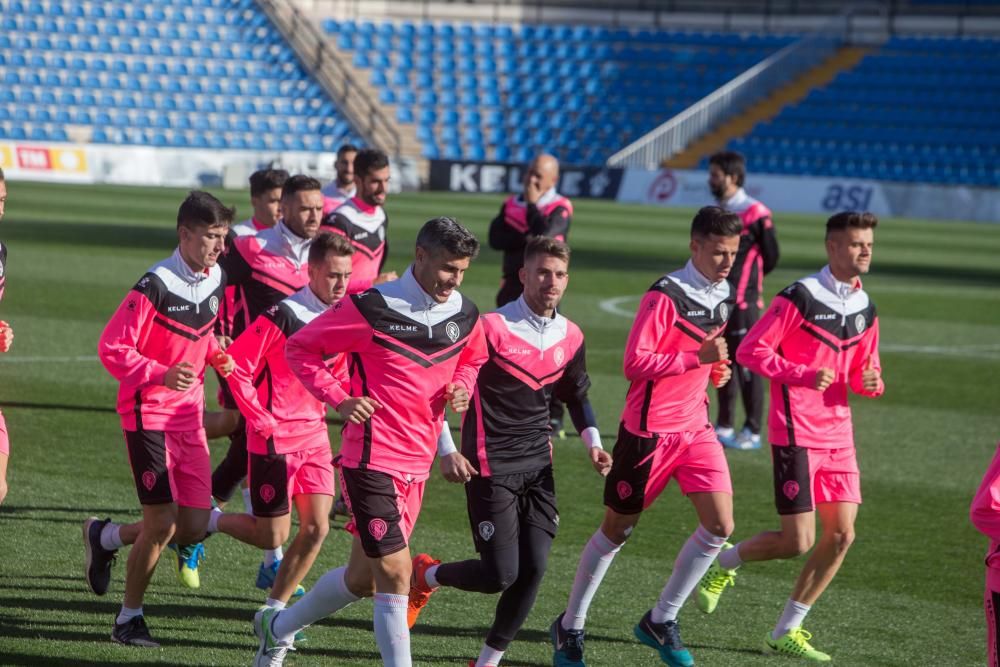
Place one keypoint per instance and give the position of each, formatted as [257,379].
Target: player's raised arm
[643,360]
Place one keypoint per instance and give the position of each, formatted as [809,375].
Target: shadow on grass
[19,659]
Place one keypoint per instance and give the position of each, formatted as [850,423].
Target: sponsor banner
[574,182]
[818,195]
[44,162]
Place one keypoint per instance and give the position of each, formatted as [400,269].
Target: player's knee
[360,585]
[842,540]
[722,528]
[271,537]
[797,544]
[159,530]
[500,579]
[315,532]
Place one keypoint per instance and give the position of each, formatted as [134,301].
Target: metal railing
[650,150]
[323,61]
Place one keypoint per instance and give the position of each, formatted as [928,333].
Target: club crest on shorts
[149,480]
[790,489]
[377,528]
[559,355]
[213,305]
[859,323]
[486,530]
[624,489]
[451,330]
[267,493]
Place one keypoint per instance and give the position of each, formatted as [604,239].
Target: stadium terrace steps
[768,108]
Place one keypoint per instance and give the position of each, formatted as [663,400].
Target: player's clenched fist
[870,377]
[713,348]
[721,373]
[180,377]
[223,363]
[824,378]
[456,468]
[358,410]
[457,397]
[6,336]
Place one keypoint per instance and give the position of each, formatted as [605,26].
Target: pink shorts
[643,466]
[805,477]
[4,441]
[171,467]
[277,478]
[384,509]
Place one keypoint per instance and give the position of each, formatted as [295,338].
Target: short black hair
[732,164]
[2,178]
[347,148]
[369,160]
[328,242]
[447,235]
[200,209]
[299,183]
[265,180]
[715,221]
[856,219]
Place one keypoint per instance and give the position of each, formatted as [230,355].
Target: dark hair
[299,183]
[715,221]
[347,148]
[546,245]
[448,235]
[325,243]
[844,219]
[732,164]
[369,160]
[2,178]
[265,180]
[201,209]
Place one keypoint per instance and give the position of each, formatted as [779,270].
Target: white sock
[271,555]
[692,563]
[730,558]
[247,504]
[126,614]
[213,520]
[391,631]
[271,603]
[329,595]
[489,657]
[793,617]
[594,563]
[111,537]
[430,576]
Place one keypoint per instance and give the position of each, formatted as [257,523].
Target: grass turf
[908,593]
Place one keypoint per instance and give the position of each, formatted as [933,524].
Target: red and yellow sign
[43,158]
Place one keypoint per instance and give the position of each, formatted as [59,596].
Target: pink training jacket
[403,349]
[985,515]
[235,302]
[816,322]
[667,393]
[280,413]
[165,319]
[367,228]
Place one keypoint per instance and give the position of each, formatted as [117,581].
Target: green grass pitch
[908,594]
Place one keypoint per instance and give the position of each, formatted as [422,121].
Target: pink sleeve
[118,347]
[759,349]
[985,510]
[359,285]
[472,359]
[868,351]
[653,321]
[340,329]
[247,352]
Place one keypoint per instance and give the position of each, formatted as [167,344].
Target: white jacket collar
[841,289]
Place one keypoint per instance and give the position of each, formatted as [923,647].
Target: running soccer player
[290,457]
[342,187]
[757,256]
[6,339]
[157,345]
[818,340]
[413,345]
[535,353]
[364,222]
[985,515]
[675,348]
[266,267]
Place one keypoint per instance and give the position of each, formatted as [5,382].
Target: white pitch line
[47,360]
[614,306]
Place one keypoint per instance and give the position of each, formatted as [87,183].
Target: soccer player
[6,339]
[364,222]
[538,211]
[265,200]
[675,348]
[341,188]
[818,340]
[985,515]
[157,345]
[290,458]
[266,267]
[757,256]
[534,353]
[413,345]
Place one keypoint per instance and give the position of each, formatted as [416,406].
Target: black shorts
[792,480]
[377,501]
[147,454]
[632,464]
[499,505]
[269,485]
